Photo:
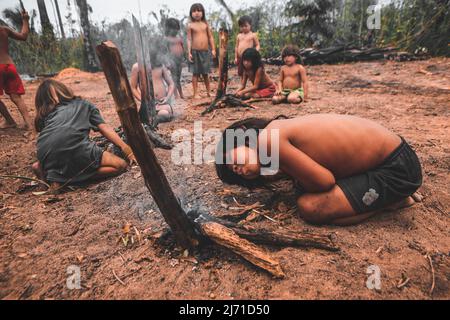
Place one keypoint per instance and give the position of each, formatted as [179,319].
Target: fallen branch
[117,278]
[229,239]
[273,238]
[227,100]
[433,281]
[25,178]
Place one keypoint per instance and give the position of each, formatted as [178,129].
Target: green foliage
[409,24]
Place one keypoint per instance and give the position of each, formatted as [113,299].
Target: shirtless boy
[199,41]
[163,87]
[347,168]
[10,81]
[245,39]
[293,84]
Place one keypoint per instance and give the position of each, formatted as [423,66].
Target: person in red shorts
[10,82]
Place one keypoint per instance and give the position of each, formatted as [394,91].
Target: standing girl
[200,41]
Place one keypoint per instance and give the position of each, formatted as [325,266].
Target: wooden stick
[117,278]
[250,252]
[223,63]
[153,174]
[25,178]
[432,274]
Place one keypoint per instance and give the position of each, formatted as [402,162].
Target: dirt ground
[42,236]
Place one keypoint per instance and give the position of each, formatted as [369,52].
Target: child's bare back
[345,145]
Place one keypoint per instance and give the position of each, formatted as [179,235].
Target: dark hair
[49,95]
[224,173]
[243,20]
[291,50]
[197,7]
[172,26]
[252,55]
[156,58]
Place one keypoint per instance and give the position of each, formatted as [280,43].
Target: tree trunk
[90,64]
[223,63]
[47,28]
[153,174]
[230,13]
[58,13]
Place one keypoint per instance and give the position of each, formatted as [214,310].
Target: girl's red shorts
[10,81]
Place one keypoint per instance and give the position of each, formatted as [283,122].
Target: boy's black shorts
[398,177]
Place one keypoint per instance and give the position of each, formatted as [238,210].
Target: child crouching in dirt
[253,68]
[64,151]
[163,87]
[346,167]
[293,85]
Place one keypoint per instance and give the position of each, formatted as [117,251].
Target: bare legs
[332,207]
[293,98]
[110,166]
[18,101]
[9,121]
[195,85]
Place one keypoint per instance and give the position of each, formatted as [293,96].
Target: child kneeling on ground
[347,168]
[64,150]
[253,70]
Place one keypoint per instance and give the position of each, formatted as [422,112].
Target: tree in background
[47,28]
[89,58]
[61,26]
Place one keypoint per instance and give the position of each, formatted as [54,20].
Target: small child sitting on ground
[263,86]
[163,87]
[64,150]
[293,85]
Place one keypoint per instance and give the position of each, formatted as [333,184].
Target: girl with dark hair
[347,168]
[64,150]
[200,41]
[253,67]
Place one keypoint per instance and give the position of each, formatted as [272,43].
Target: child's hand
[236,61]
[190,57]
[214,53]
[238,93]
[129,154]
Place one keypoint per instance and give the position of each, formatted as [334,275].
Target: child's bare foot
[405,203]
[196,97]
